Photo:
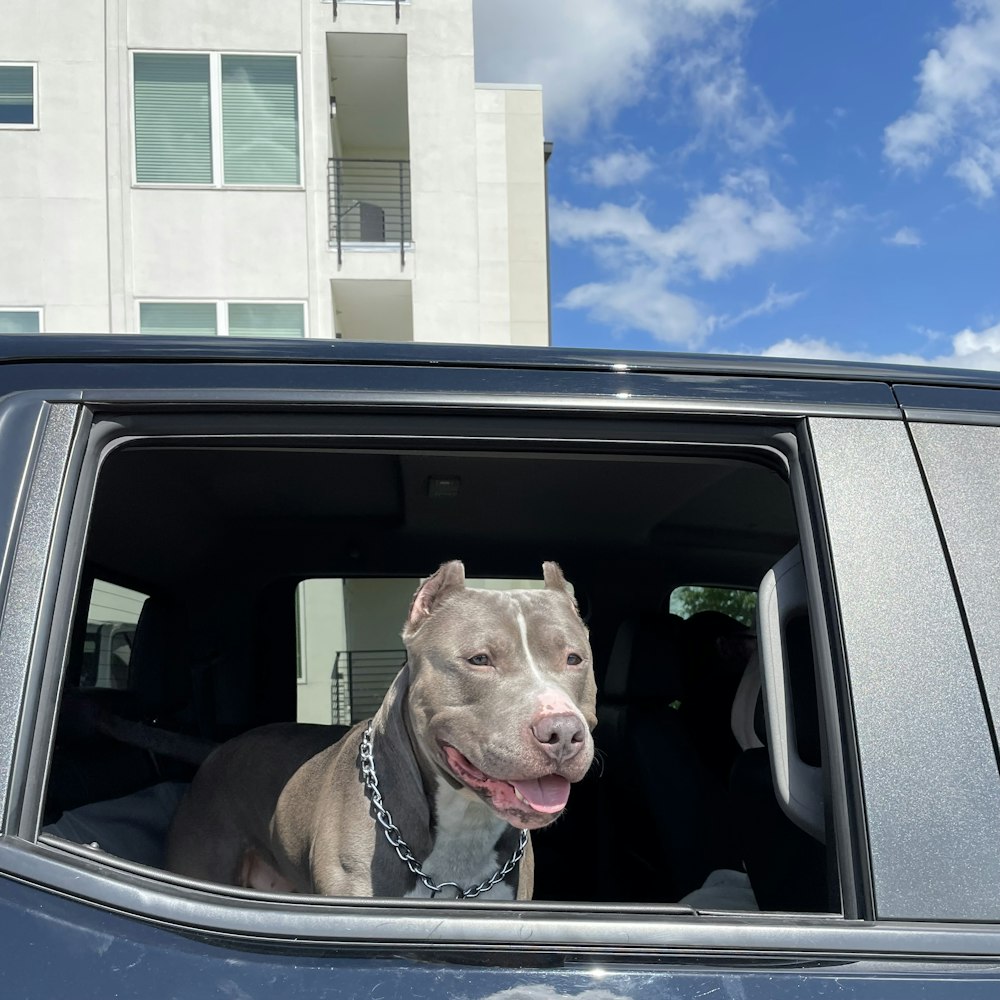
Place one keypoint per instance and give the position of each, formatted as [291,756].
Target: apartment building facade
[298,168]
[266,168]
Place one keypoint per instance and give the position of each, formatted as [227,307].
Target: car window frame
[234,910]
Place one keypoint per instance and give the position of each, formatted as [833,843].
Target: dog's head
[502,684]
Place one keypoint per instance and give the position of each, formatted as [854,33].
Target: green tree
[738,604]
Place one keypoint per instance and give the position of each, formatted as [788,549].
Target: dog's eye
[480,660]
[573,660]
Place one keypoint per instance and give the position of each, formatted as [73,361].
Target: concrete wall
[218,244]
[440,84]
[513,242]
[81,240]
[375,611]
[222,243]
[322,632]
[53,196]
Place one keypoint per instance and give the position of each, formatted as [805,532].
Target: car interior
[218,531]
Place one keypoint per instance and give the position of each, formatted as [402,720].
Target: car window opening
[227,587]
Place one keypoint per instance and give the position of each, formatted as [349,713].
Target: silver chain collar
[399,845]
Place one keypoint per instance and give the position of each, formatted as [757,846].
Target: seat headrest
[712,624]
[645,659]
[159,668]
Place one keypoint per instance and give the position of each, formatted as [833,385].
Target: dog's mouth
[527,803]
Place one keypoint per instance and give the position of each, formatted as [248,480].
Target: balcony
[360,680]
[383,3]
[369,205]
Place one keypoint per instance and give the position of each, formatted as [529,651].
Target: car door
[76,923]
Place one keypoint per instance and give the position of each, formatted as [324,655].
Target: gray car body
[921,904]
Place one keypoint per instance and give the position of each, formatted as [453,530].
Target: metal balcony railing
[369,203]
[336,8]
[360,680]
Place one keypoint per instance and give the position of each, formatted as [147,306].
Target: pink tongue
[545,795]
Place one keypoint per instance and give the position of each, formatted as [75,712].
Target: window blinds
[20,321]
[194,318]
[17,95]
[173,118]
[266,319]
[260,120]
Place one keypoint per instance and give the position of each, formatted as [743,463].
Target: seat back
[665,807]
[88,765]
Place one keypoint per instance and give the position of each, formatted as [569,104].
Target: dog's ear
[449,576]
[554,579]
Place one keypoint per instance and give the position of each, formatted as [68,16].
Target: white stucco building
[269,168]
[266,167]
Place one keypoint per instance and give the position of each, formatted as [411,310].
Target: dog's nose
[561,736]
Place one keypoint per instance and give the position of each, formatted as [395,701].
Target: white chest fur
[464,845]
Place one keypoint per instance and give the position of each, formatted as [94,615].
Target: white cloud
[642,301]
[906,236]
[836,116]
[978,169]
[729,228]
[957,111]
[615,169]
[593,59]
[969,349]
[721,231]
[712,81]
[819,349]
[773,302]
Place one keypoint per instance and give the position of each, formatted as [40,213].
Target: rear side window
[283,558]
[111,620]
[348,645]
[737,603]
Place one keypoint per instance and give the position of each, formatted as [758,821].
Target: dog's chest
[464,848]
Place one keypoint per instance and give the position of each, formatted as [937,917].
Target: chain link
[395,838]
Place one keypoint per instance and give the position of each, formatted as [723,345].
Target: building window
[227,319]
[215,119]
[173,119]
[266,319]
[260,120]
[20,320]
[190,318]
[18,87]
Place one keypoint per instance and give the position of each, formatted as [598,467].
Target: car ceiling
[161,514]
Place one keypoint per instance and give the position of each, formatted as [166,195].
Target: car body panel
[931,784]
[447,385]
[962,467]
[71,926]
[58,947]
[25,571]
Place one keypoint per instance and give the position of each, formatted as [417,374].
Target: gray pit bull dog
[479,738]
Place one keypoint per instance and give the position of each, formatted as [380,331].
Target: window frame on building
[222,313]
[37,310]
[216,119]
[33,125]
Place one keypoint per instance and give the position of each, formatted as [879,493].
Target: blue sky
[811,178]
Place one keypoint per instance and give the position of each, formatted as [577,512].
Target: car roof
[149,348]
